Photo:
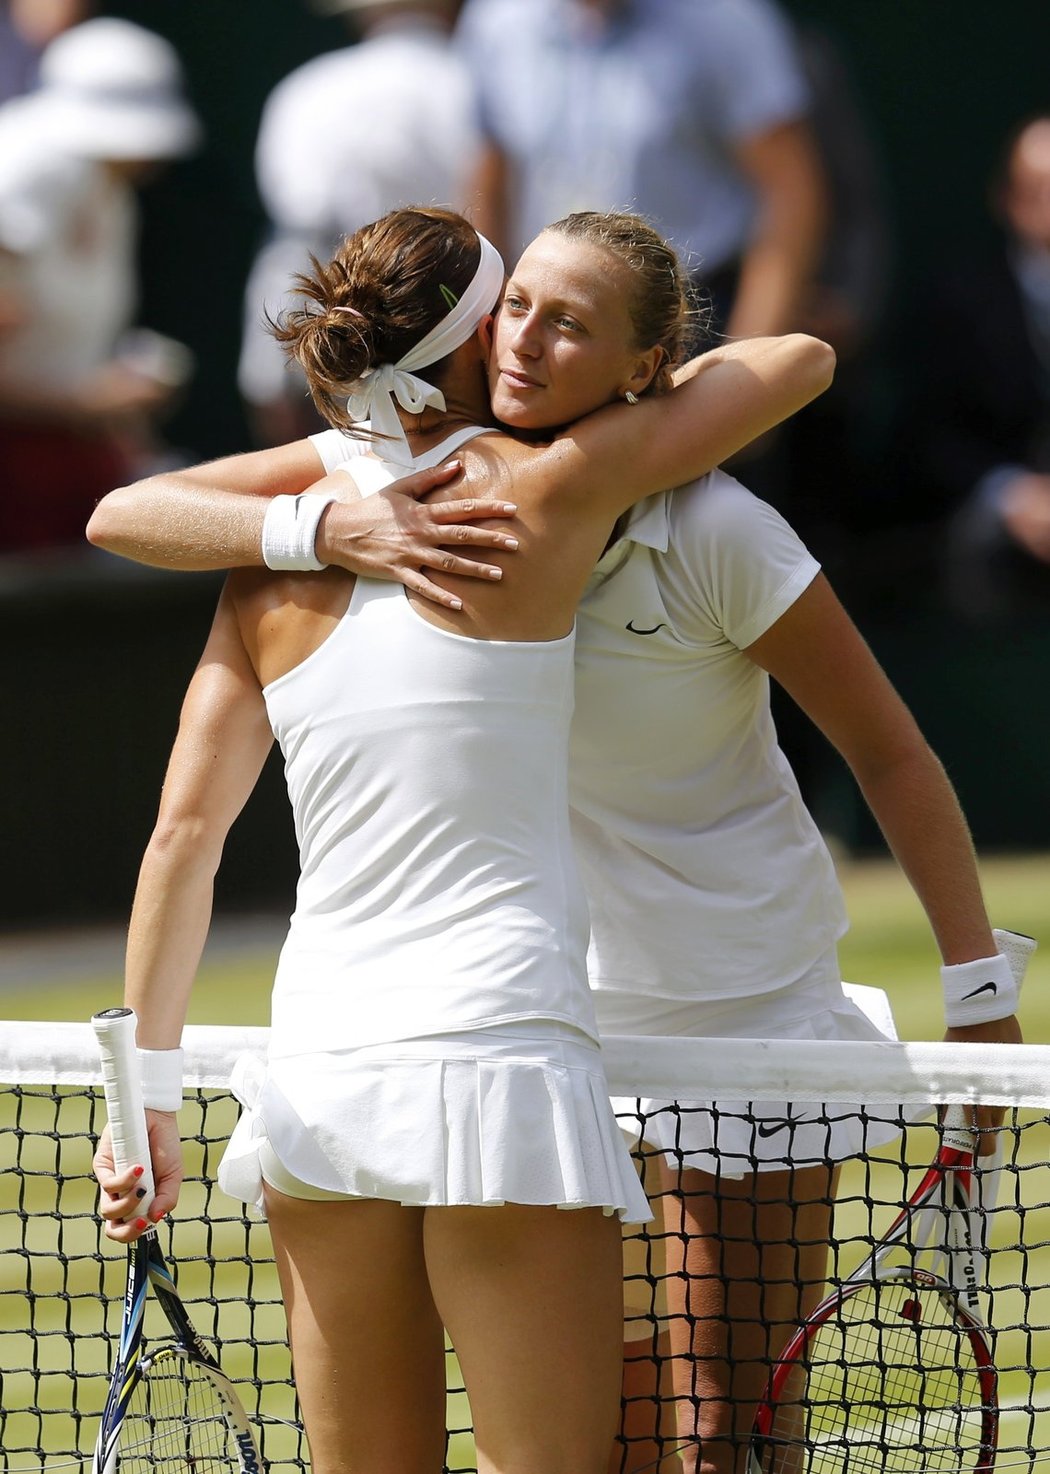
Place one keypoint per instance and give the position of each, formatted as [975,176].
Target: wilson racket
[893,1372]
[169,1407]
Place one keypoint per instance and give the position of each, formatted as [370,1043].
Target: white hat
[112,90]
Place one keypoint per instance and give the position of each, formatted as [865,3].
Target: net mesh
[713,1286]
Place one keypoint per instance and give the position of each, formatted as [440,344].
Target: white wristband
[290,531]
[978,992]
[161,1074]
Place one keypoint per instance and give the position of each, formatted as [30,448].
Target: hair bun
[378,295]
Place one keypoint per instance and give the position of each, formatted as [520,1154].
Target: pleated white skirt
[521,1115]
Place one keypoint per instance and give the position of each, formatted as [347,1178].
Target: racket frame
[950,1175]
[870,1277]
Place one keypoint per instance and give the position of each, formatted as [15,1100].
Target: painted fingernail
[156,1217]
[510,506]
[138,1171]
[510,542]
[495,573]
[141,1223]
[140,1192]
[456,604]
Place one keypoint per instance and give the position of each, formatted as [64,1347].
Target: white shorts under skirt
[735,1138]
[519,1115]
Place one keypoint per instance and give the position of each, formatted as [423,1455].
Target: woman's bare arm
[721,402]
[207,516]
[222,742]
[817,654]
[211,516]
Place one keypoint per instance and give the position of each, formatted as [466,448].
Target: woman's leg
[532,1299]
[751,1259]
[367,1343]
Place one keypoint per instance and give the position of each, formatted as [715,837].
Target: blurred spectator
[981,428]
[76,403]
[343,139]
[823,463]
[692,112]
[26,27]
[817,469]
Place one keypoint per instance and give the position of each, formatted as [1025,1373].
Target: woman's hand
[121,1197]
[396,535]
[1001,1031]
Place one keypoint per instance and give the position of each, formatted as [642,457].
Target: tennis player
[433,1095]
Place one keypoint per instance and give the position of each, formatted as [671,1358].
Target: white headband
[372,395]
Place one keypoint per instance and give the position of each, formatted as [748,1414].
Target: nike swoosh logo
[636,631]
[296,504]
[993,988]
[765,1129]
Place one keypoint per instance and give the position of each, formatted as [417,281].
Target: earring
[630,398]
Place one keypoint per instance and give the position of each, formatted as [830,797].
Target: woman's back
[427,775]
[427,772]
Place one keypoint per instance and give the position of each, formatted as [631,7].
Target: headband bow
[372,396]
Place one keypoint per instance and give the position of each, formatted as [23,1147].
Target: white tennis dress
[433,1038]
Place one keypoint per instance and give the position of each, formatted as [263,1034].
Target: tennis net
[61,1285]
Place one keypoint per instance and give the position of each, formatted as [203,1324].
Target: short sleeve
[742,564]
[754,79]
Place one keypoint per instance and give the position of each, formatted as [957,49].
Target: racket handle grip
[115,1033]
[1017,949]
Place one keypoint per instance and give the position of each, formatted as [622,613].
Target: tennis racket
[170,1407]
[893,1372]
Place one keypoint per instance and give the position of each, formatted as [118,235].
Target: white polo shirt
[704,870]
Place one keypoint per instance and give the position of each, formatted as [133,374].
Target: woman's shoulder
[284,617]
[717,520]
[717,502]
[501,463]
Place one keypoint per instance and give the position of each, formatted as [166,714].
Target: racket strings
[888,1385]
[176,1421]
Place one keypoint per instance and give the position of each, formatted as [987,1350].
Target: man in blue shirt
[692,112]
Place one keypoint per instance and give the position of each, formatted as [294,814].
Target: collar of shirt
[648,524]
